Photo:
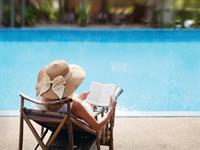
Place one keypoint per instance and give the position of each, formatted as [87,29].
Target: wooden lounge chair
[73,128]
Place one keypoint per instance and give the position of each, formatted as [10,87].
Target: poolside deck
[169,133]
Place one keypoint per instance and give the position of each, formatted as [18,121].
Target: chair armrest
[36,101]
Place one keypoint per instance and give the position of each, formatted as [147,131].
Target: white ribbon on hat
[58,84]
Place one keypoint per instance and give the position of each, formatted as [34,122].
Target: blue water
[155,76]
[99,35]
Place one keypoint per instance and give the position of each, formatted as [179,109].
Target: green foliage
[83,13]
[121,10]
[42,10]
[187,10]
[47,9]
[31,15]
[6,14]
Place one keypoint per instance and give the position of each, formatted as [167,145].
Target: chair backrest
[51,120]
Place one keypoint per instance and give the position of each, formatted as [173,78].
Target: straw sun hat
[59,80]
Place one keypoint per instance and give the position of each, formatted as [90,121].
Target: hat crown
[57,68]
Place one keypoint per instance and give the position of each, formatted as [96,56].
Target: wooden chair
[67,123]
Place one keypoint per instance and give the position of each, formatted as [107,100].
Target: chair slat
[39,102]
[33,131]
[44,113]
[57,131]
[82,126]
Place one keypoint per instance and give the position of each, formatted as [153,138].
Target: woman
[59,80]
[80,109]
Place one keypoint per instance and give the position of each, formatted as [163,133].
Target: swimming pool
[158,69]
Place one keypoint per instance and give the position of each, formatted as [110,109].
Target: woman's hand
[83,95]
[112,103]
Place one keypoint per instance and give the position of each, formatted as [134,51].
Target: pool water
[156,76]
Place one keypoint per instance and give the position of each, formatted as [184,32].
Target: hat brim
[78,75]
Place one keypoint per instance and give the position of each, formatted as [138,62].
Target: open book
[100,93]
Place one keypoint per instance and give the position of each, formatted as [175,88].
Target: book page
[100,93]
[95,92]
[107,92]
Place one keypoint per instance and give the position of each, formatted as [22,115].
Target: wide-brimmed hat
[59,80]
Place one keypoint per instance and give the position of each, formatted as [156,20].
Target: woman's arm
[79,110]
[83,95]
